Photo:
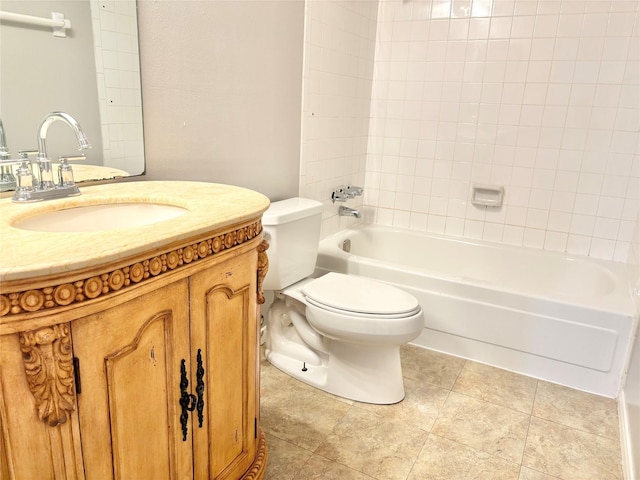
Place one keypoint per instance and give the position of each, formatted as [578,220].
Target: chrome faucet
[44,162]
[4,151]
[342,194]
[348,212]
[339,195]
[29,190]
[353,191]
[7,180]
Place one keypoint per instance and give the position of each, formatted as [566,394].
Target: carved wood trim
[111,281]
[263,268]
[48,364]
[259,466]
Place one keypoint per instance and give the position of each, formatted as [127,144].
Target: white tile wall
[338,72]
[119,94]
[540,96]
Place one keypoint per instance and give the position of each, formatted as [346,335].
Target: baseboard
[625,440]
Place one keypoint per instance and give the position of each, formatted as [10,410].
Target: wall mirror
[91,72]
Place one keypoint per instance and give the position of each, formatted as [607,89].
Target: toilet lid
[359,294]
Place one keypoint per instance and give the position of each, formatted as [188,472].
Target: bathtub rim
[620,300]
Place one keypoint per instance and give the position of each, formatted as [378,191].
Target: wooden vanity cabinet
[166,380]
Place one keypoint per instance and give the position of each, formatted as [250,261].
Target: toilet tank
[292,228]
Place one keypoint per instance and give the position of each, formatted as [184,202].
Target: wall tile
[119,95]
[538,96]
[417,100]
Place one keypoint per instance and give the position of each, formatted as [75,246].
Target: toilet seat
[359,297]
[372,316]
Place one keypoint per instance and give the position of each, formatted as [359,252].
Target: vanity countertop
[26,254]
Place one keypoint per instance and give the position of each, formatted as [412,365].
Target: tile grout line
[526,437]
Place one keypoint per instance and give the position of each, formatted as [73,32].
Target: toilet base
[360,373]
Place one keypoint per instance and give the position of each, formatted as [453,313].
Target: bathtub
[561,318]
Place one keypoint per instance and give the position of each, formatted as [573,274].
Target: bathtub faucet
[348,212]
[353,191]
[342,194]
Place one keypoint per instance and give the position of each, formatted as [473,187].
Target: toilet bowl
[360,310]
[339,333]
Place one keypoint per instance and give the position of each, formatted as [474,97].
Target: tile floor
[459,420]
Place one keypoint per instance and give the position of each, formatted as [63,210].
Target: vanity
[129,341]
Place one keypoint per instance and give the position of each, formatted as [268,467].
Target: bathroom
[413,100]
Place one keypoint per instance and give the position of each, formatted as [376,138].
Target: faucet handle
[71,158]
[354,191]
[339,195]
[25,178]
[4,153]
[24,154]
[65,172]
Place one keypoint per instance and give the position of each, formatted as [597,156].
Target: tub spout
[348,212]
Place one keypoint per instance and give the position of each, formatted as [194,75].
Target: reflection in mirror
[92,73]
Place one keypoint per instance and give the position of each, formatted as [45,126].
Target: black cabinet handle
[187,401]
[200,387]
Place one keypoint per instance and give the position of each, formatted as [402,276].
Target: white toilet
[339,333]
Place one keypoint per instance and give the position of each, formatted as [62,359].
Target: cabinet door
[130,358]
[38,416]
[223,328]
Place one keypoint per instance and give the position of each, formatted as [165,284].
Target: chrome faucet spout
[48,119]
[44,162]
[348,212]
[7,179]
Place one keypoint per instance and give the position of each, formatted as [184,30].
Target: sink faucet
[46,188]
[7,180]
[44,162]
[348,212]
[4,151]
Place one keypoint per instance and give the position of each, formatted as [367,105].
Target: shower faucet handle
[353,191]
[339,195]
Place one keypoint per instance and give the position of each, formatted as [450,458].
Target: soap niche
[487,195]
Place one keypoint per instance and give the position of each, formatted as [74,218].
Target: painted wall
[538,96]
[221,85]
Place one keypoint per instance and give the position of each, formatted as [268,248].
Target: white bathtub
[557,317]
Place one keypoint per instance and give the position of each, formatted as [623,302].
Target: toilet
[339,333]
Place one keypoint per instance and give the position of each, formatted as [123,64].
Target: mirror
[92,73]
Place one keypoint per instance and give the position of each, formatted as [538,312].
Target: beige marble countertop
[28,254]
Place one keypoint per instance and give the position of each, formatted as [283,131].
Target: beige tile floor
[459,420]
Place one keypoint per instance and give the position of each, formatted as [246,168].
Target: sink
[93,218]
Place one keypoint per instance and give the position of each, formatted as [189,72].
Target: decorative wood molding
[48,363]
[263,268]
[111,281]
[259,466]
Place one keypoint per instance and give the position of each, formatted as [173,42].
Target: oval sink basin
[94,218]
